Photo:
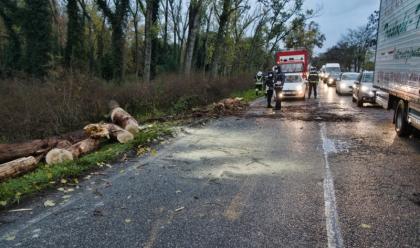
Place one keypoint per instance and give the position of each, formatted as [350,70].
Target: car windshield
[333,69]
[367,77]
[293,79]
[288,68]
[352,76]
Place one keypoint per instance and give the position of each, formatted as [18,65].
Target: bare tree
[194,17]
[117,19]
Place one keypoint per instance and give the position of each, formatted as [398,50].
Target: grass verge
[247,95]
[46,176]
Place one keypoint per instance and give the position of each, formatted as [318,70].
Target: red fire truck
[294,61]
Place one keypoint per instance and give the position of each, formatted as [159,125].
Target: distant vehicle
[294,87]
[294,61]
[322,73]
[397,67]
[363,91]
[346,82]
[332,73]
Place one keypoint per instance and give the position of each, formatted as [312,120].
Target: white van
[332,73]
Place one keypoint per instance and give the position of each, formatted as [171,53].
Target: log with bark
[58,155]
[37,147]
[108,130]
[123,119]
[17,167]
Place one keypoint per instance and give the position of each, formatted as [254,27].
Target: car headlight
[331,80]
[299,88]
[364,88]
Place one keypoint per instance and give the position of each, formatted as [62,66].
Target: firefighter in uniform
[269,85]
[313,82]
[259,78]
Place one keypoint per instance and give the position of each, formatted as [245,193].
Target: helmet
[259,74]
[313,69]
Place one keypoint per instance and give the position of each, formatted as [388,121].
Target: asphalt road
[320,173]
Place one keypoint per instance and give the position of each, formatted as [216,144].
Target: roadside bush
[30,108]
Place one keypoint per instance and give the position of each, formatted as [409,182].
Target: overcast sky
[336,16]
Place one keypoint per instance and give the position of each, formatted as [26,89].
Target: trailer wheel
[402,127]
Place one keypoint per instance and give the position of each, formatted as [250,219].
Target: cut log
[37,147]
[17,167]
[119,134]
[61,155]
[107,130]
[123,119]
[84,147]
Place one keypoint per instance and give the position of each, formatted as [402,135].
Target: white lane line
[335,240]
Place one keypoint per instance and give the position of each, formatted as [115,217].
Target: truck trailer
[397,63]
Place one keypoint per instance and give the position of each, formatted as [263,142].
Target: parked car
[294,87]
[345,84]
[363,91]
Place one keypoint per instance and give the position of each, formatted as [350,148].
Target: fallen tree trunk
[9,152]
[107,130]
[17,167]
[36,147]
[58,155]
[123,119]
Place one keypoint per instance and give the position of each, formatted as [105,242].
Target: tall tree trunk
[118,41]
[206,38]
[136,47]
[118,24]
[165,32]
[38,36]
[155,40]
[148,41]
[220,39]
[193,28]
[74,34]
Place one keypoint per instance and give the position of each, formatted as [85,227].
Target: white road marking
[335,240]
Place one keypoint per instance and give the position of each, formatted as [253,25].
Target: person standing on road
[259,82]
[269,85]
[313,82]
[278,85]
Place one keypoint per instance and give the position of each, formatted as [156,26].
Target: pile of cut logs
[20,158]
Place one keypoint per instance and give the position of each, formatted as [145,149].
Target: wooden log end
[132,128]
[56,156]
[125,137]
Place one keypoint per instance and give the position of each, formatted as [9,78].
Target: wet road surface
[319,173]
